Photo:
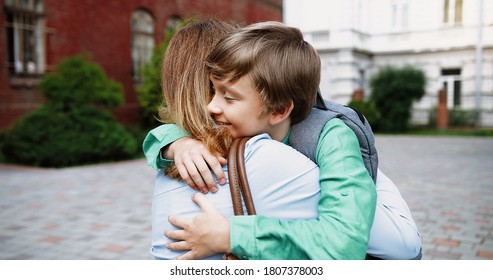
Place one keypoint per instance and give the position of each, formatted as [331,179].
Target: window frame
[25,22]
[399,10]
[452,12]
[142,26]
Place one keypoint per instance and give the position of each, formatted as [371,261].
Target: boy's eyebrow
[231,89]
[223,84]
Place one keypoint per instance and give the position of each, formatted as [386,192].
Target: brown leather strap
[238,182]
[234,180]
[245,187]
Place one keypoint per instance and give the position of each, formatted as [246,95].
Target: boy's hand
[195,162]
[204,235]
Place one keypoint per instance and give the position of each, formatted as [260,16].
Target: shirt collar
[285,140]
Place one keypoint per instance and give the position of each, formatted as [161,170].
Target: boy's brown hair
[282,66]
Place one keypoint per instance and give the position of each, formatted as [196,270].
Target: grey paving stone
[447,182]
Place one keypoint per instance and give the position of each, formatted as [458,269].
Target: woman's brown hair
[186,85]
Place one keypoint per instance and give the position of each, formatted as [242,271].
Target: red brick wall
[103,29]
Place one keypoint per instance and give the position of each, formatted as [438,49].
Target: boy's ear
[278,117]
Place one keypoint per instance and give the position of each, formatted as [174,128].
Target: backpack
[304,135]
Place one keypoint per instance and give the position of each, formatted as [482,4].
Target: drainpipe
[479,61]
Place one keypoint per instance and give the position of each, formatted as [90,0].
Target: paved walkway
[89,212]
[448,184]
[103,211]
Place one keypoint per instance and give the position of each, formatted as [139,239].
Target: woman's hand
[204,235]
[195,162]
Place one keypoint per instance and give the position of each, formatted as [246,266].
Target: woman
[279,188]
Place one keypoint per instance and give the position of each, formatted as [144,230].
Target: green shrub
[73,127]
[2,141]
[456,117]
[393,92]
[78,81]
[463,118]
[368,109]
[49,137]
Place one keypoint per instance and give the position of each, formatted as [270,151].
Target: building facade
[36,34]
[450,40]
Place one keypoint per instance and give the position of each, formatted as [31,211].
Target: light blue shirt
[279,188]
[394,234]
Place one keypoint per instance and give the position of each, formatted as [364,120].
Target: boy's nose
[212,107]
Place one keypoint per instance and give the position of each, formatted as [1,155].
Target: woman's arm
[197,230]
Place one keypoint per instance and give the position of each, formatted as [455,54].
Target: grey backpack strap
[358,123]
[304,135]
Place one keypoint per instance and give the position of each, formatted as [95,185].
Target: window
[25,37]
[362,79]
[142,40]
[452,12]
[321,36]
[400,15]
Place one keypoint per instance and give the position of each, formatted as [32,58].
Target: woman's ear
[278,117]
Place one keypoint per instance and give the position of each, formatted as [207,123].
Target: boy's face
[238,107]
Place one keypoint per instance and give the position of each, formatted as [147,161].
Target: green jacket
[346,207]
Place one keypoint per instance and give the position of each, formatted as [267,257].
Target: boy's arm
[346,210]
[157,139]
[194,162]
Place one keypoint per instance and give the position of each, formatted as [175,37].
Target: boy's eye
[228,98]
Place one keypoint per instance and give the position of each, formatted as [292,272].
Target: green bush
[2,141]
[49,137]
[73,127]
[393,92]
[78,81]
[456,117]
[463,118]
[368,109]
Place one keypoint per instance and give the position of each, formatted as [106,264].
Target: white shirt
[283,182]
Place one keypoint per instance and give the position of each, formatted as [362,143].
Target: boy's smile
[221,123]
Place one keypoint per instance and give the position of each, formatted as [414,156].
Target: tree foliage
[78,82]
[367,108]
[393,92]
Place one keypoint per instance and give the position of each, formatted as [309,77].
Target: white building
[444,38]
